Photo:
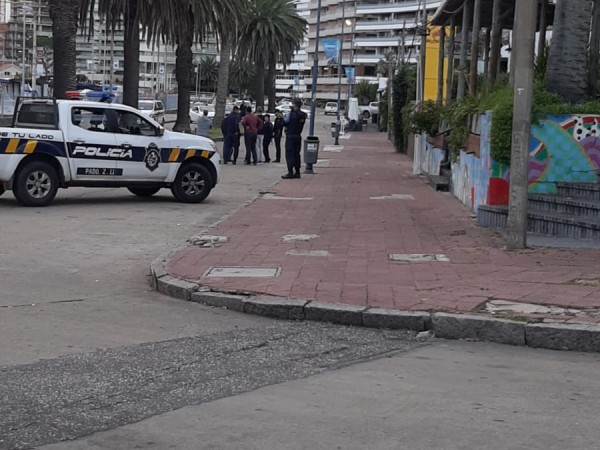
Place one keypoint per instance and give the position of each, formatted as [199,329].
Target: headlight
[213,146]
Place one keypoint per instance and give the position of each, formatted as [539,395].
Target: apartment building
[371,30]
[100,54]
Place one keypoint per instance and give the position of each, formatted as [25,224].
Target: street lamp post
[339,92]
[313,91]
[23,52]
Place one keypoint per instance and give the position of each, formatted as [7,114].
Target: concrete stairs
[574,211]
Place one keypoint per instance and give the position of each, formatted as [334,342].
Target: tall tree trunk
[594,49]
[566,73]
[441,54]
[543,27]
[473,75]
[496,44]
[259,83]
[64,15]
[271,84]
[131,54]
[451,59]
[464,42]
[183,75]
[486,54]
[223,79]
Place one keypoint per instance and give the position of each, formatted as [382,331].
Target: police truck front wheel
[35,184]
[143,191]
[192,184]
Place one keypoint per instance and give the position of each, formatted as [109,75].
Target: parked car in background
[369,110]
[331,108]
[153,109]
[198,109]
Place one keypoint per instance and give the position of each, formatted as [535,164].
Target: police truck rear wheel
[36,184]
[144,191]
[192,184]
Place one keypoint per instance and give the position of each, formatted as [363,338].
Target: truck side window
[91,119]
[130,123]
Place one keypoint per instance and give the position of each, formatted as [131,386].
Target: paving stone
[279,307]
[577,337]
[176,288]
[479,328]
[221,300]
[335,313]
[396,320]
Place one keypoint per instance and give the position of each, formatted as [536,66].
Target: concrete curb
[576,337]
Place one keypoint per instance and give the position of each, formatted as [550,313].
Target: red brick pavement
[359,233]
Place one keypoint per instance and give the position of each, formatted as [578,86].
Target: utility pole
[475,47]
[525,25]
[339,92]
[313,89]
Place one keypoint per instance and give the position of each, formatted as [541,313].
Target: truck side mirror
[160,131]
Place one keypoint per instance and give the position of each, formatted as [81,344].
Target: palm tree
[566,74]
[271,31]
[64,15]
[133,14]
[209,70]
[226,32]
[181,23]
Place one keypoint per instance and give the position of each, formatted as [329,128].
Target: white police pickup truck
[64,143]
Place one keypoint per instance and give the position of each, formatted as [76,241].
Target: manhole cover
[307,253]
[243,272]
[299,237]
[394,197]
[418,257]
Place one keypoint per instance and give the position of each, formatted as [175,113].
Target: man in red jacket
[251,125]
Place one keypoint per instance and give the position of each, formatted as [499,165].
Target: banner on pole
[350,74]
[331,47]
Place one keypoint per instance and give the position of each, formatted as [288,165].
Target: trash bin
[334,131]
[375,118]
[311,149]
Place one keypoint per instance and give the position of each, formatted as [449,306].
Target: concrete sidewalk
[364,205]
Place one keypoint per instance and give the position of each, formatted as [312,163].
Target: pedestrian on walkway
[251,124]
[260,137]
[267,131]
[231,132]
[293,141]
[203,125]
[277,133]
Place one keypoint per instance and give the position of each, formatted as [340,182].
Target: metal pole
[23,53]
[475,47]
[34,53]
[339,92]
[313,91]
[524,54]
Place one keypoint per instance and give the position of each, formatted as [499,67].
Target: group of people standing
[258,132]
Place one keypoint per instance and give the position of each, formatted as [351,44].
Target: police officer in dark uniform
[293,141]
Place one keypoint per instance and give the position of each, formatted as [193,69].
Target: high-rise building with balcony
[372,30]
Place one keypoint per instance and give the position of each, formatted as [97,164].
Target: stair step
[439,183]
[565,205]
[543,222]
[589,191]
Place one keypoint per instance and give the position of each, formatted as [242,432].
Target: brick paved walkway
[359,233]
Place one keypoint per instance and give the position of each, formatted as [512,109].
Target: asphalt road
[91,358]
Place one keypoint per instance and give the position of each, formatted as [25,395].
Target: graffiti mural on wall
[563,149]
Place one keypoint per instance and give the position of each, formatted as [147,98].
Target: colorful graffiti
[471,174]
[564,149]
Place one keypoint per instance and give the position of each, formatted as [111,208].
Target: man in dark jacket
[267,131]
[251,125]
[231,130]
[293,141]
[277,133]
